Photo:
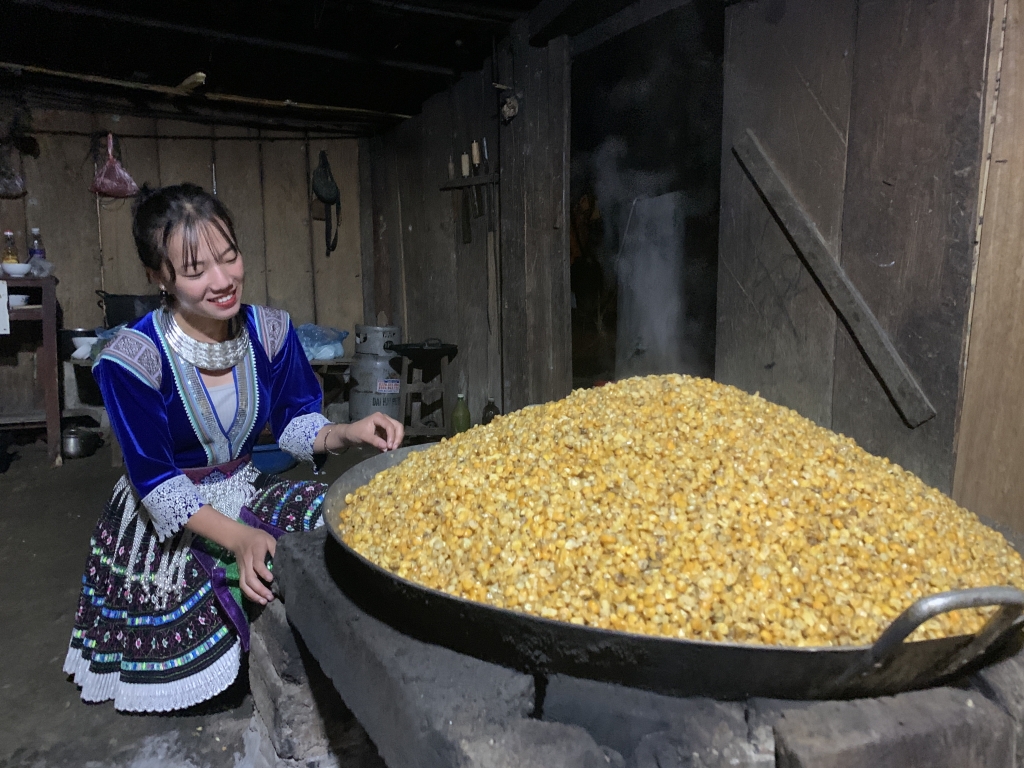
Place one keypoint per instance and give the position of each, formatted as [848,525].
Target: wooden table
[44,313]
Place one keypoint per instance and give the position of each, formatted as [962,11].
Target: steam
[644,254]
[647,111]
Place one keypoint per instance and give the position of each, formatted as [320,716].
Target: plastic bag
[113,180]
[321,343]
[39,267]
[104,335]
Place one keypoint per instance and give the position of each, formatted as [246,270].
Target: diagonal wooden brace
[904,391]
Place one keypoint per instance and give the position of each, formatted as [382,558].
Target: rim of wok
[671,666]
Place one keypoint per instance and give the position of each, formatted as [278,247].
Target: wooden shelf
[470,181]
[25,313]
[28,419]
[46,359]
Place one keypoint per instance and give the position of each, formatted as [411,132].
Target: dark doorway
[644,198]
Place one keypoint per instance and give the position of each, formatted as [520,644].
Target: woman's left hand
[377,429]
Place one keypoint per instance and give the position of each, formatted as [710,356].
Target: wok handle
[1009,599]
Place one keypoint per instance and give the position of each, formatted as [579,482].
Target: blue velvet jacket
[165,422]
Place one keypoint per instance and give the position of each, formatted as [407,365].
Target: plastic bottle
[36,249]
[490,411]
[10,252]
[460,416]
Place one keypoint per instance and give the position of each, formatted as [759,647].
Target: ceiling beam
[464,11]
[215,34]
[142,105]
[628,18]
[179,93]
[545,14]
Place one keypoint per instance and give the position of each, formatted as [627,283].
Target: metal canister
[376,373]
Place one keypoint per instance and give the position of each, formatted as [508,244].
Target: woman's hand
[251,548]
[377,429]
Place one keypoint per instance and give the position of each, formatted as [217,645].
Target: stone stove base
[428,707]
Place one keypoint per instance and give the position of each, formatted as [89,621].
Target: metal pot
[669,666]
[77,443]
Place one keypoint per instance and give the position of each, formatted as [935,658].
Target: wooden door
[868,115]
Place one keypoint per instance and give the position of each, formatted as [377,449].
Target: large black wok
[669,666]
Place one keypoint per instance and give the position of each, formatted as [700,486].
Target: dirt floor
[46,518]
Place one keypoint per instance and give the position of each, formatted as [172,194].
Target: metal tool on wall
[489,196]
[455,192]
[478,191]
[493,275]
[482,182]
[467,194]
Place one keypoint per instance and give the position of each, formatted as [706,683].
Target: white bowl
[17,270]
[84,341]
[17,299]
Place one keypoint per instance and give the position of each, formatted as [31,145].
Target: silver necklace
[208,356]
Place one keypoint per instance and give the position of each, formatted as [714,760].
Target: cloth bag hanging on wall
[113,180]
[326,191]
[12,185]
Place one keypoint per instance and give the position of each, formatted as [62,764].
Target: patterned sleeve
[129,378]
[296,398]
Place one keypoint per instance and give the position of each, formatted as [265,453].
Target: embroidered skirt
[160,626]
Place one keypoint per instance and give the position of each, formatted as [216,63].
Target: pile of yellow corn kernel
[676,506]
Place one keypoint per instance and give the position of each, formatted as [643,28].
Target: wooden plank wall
[338,278]
[909,216]
[989,477]
[239,168]
[788,77]
[59,203]
[263,178]
[122,271]
[871,110]
[536,317]
[436,284]
[433,284]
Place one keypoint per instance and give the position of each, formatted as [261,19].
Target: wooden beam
[100,98]
[629,17]
[176,92]
[472,181]
[463,11]
[233,37]
[874,343]
[545,14]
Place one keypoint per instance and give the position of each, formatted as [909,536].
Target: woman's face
[212,288]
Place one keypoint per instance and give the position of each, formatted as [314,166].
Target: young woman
[187,533]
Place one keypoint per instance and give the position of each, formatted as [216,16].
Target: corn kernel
[676,506]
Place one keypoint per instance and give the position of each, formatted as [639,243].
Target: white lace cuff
[171,504]
[297,438]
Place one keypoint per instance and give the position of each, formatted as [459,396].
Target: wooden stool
[419,396]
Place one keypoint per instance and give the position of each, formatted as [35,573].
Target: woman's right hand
[251,547]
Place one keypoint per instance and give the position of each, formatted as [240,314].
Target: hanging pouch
[12,185]
[113,180]
[326,191]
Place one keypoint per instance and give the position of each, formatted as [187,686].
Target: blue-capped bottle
[36,249]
